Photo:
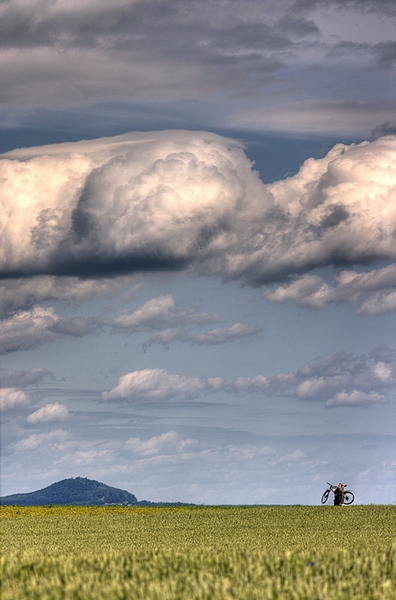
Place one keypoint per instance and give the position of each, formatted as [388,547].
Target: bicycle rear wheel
[325,496]
[348,497]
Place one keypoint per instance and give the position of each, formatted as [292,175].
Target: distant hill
[78,490]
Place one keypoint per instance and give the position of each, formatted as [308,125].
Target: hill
[78,490]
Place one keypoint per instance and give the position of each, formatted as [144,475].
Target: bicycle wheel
[325,496]
[348,497]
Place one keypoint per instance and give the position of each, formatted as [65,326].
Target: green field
[199,553]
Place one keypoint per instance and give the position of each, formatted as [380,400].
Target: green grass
[211,553]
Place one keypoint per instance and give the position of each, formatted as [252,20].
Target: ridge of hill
[78,490]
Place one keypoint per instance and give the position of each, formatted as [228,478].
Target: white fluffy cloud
[355,398]
[35,440]
[166,443]
[158,384]
[342,379]
[371,291]
[11,398]
[184,199]
[157,313]
[49,413]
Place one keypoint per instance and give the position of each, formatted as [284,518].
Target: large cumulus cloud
[175,200]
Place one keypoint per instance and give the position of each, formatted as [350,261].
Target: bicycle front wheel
[348,497]
[325,496]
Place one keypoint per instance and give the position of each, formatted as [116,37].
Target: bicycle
[349,496]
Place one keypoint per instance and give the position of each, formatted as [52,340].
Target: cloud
[178,200]
[384,129]
[378,304]
[160,313]
[382,54]
[162,63]
[209,338]
[340,379]
[49,413]
[23,377]
[372,292]
[25,330]
[355,398]
[158,384]
[34,441]
[135,49]
[250,385]
[174,446]
[330,116]
[381,6]
[292,457]
[221,336]
[17,294]
[11,398]
[165,337]
[28,329]
[167,443]
[157,313]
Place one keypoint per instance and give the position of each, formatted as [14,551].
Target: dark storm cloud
[379,6]
[387,128]
[224,56]
[205,26]
[382,55]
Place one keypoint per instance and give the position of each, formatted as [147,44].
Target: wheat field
[199,553]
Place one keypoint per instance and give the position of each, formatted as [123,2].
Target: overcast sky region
[198,244]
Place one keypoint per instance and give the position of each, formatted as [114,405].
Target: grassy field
[199,553]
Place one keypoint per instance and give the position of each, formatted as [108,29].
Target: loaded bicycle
[347,496]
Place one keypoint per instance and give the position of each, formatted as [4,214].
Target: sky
[197,251]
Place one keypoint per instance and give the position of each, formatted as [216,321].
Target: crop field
[199,553]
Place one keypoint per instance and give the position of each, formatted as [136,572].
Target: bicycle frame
[349,496]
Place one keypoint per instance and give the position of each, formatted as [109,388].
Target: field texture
[202,553]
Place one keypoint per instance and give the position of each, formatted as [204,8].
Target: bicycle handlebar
[344,485]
